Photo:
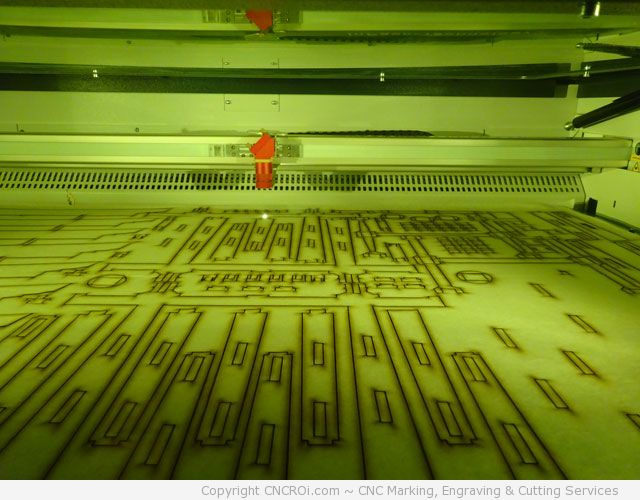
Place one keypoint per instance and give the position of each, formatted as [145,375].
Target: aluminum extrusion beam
[319,151]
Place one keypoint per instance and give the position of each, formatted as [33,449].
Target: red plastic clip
[263,19]
[264,150]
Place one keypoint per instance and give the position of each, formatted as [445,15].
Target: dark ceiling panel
[521,6]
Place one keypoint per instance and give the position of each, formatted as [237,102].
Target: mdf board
[212,343]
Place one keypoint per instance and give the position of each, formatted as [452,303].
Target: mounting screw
[227,101]
[274,102]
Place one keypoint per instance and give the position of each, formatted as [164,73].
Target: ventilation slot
[110,180]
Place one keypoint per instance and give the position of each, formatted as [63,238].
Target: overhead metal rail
[382,153]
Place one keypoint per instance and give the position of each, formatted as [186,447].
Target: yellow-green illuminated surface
[223,344]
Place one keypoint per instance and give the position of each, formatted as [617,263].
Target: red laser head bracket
[263,19]
[263,151]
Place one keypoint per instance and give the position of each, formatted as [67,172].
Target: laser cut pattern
[218,344]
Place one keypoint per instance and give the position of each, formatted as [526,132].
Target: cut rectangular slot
[449,418]
[265,444]
[67,407]
[220,419]
[193,369]
[582,323]
[579,363]
[421,353]
[369,346]
[542,290]
[160,353]
[551,393]
[474,369]
[382,407]
[117,345]
[52,357]
[160,444]
[240,353]
[519,443]
[318,353]
[120,419]
[505,338]
[320,419]
[275,370]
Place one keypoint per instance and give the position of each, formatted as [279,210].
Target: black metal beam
[611,78]
[608,84]
[621,106]
[487,72]
[608,48]
[362,36]
[330,86]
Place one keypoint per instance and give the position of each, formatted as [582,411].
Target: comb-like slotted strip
[101,180]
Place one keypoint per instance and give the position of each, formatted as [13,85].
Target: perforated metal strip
[121,180]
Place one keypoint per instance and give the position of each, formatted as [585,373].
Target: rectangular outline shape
[194,368]
[369,346]
[539,287]
[120,419]
[519,443]
[161,353]
[449,418]
[240,353]
[219,422]
[581,322]
[320,419]
[579,363]
[383,407]
[475,371]
[52,357]
[275,369]
[118,344]
[551,393]
[160,444]
[318,353]
[265,444]
[504,336]
[421,353]
[67,407]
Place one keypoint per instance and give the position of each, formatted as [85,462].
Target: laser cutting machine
[319,239]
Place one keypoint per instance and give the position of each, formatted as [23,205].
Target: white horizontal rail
[319,151]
